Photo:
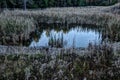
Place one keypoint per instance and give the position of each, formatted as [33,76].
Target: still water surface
[76,36]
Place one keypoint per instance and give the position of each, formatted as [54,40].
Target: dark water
[66,36]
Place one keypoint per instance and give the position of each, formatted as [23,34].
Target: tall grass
[15,27]
[97,63]
[16,22]
[83,15]
[100,63]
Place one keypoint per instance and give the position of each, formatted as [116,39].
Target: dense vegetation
[16,25]
[52,3]
[99,64]
[93,63]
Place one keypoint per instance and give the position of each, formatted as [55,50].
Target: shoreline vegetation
[16,25]
[46,50]
[15,22]
[97,62]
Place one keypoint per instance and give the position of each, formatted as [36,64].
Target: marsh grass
[99,64]
[83,15]
[15,27]
[19,22]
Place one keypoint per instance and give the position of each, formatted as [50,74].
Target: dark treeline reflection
[64,35]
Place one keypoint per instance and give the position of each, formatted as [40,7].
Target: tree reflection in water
[62,35]
[57,41]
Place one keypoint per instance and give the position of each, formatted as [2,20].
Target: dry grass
[15,27]
[18,21]
[100,64]
[83,15]
[114,9]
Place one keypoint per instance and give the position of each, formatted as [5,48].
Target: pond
[65,36]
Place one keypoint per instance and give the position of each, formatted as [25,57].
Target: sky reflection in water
[77,37]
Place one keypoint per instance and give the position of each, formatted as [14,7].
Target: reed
[15,27]
[100,63]
[83,15]
[16,22]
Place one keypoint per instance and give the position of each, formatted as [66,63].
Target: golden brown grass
[15,26]
[99,64]
[84,15]
[16,22]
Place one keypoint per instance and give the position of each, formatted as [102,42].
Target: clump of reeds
[100,63]
[87,15]
[19,21]
[15,27]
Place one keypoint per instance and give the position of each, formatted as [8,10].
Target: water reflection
[62,36]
